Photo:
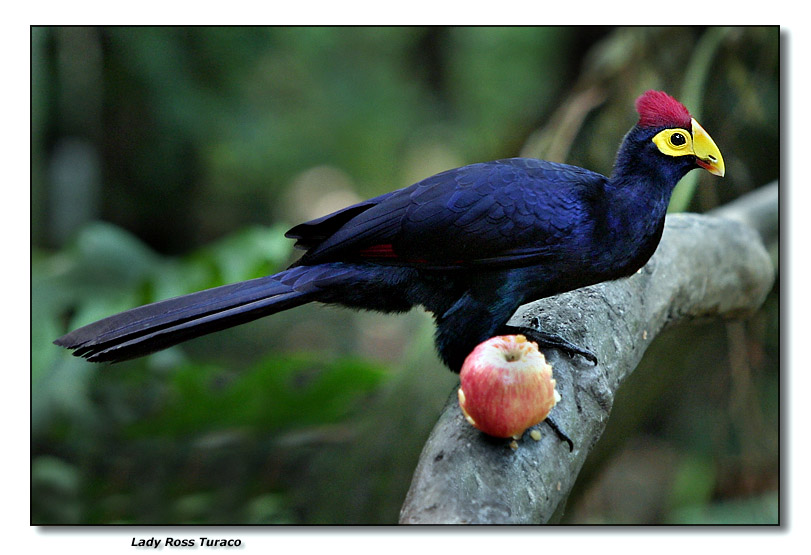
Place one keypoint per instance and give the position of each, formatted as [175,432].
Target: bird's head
[668,141]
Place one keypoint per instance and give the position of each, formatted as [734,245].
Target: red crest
[659,109]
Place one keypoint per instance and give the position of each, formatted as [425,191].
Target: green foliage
[497,85]
[277,392]
[762,509]
[56,484]
[693,482]
[98,412]
[695,81]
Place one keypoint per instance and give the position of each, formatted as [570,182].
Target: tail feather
[159,325]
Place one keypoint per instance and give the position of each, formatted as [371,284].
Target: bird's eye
[677,139]
[674,142]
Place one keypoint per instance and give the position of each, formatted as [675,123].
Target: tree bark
[705,267]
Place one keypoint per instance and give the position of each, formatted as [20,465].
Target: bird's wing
[312,233]
[507,212]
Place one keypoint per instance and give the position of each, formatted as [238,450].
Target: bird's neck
[638,196]
[633,213]
[640,187]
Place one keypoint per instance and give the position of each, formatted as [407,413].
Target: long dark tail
[159,325]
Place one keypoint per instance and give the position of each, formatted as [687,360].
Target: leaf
[277,392]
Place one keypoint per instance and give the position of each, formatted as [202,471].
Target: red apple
[506,386]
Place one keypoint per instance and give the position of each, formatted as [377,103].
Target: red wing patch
[378,251]
[386,251]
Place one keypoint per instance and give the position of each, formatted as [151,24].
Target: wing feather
[508,212]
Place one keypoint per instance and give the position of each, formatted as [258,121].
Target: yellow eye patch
[674,142]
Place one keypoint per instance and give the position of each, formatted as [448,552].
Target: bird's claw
[544,339]
[560,433]
[573,350]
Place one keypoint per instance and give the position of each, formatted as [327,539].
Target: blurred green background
[166,160]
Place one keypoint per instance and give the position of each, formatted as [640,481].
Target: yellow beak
[707,154]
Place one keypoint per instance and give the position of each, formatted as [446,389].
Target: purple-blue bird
[470,245]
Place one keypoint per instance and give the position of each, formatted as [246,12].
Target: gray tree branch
[705,267]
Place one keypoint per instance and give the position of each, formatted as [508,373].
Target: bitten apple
[506,386]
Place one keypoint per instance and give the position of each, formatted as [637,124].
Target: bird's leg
[545,339]
[560,433]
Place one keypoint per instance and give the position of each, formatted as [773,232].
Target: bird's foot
[544,339]
[560,433]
